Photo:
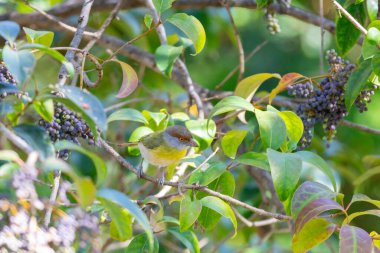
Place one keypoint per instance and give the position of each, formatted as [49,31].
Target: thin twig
[350,18]
[322,38]
[238,42]
[53,197]
[249,223]
[360,127]
[249,56]
[82,23]
[20,143]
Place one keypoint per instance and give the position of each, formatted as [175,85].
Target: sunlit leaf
[156,120]
[352,216]
[272,129]
[130,80]
[191,27]
[231,142]
[259,160]
[140,244]
[372,9]
[206,176]
[162,5]
[313,233]
[359,197]
[203,131]
[354,239]
[39,37]
[86,191]
[148,19]
[45,109]
[294,128]
[127,114]
[286,171]
[229,104]
[9,155]
[316,161]
[165,56]
[221,207]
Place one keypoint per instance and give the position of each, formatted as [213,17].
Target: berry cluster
[301,90]
[5,78]
[324,105]
[272,23]
[67,125]
[365,97]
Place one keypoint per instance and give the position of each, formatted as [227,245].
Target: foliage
[68,183]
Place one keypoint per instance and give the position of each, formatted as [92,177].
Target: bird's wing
[152,141]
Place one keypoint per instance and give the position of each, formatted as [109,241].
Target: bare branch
[20,143]
[53,197]
[360,127]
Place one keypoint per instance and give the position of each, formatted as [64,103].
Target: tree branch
[124,163]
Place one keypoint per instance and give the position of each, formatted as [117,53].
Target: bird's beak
[193,143]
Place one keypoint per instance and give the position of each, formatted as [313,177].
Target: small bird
[165,147]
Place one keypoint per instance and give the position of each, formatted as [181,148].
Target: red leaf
[354,239]
[130,80]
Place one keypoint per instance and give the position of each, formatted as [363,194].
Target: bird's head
[181,136]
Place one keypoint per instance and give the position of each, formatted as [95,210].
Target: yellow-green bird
[165,148]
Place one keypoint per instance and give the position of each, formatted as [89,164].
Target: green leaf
[127,115]
[375,64]
[191,27]
[9,30]
[369,49]
[19,63]
[354,239]
[101,168]
[272,128]
[130,79]
[258,160]
[157,120]
[189,212]
[165,56]
[140,244]
[37,138]
[372,8]
[247,87]
[310,158]
[53,53]
[373,35]
[356,82]
[367,175]
[122,200]
[262,3]
[221,207]
[148,19]
[286,171]
[313,233]
[86,191]
[187,238]
[344,27]
[306,193]
[229,104]
[7,170]
[45,109]
[162,5]
[352,216]
[9,155]
[87,105]
[206,176]
[358,197]
[121,224]
[231,142]
[39,37]
[224,184]
[203,131]
[136,135]
[294,128]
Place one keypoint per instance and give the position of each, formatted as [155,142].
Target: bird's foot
[161,180]
[140,171]
[180,185]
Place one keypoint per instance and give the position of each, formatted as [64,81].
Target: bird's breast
[162,156]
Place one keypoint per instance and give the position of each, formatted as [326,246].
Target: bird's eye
[181,139]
